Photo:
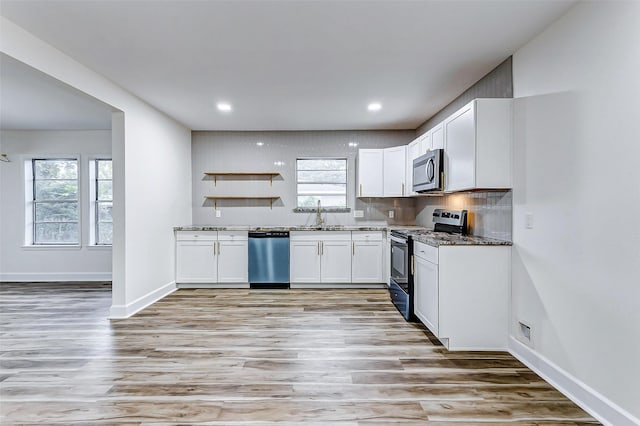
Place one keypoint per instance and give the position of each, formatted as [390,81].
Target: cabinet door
[304,262]
[395,160]
[437,137]
[425,143]
[233,261]
[425,296]
[460,150]
[413,152]
[367,262]
[335,261]
[370,167]
[196,262]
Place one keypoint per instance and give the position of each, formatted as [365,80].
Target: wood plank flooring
[250,357]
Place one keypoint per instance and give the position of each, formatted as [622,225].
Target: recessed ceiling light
[260,143]
[374,106]
[223,106]
[353,144]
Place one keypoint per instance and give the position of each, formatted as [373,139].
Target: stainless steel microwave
[428,171]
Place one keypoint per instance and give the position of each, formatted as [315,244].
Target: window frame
[95,202]
[346,184]
[34,202]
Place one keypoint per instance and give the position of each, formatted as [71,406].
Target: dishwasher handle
[269,234]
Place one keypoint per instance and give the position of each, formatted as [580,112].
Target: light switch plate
[218,213]
[358,213]
[528,220]
[392,214]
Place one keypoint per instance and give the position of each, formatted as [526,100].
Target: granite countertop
[436,239]
[418,233]
[282,228]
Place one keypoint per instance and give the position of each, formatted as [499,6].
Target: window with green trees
[104,202]
[322,179]
[55,201]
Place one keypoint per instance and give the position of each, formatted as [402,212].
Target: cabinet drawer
[233,235]
[366,236]
[320,235]
[425,251]
[196,235]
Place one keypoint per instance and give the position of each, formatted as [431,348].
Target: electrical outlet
[218,213]
[392,214]
[358,213]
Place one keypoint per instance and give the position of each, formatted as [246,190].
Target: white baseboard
[338,286]
[54,276]
[584,396]
[209,285]
[125,311]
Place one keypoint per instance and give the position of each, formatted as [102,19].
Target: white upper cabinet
[437,137]
[425,143]
[370,169]
[395,162]
[413,152]
[478,146]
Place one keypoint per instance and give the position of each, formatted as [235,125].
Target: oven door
[400,262]
[427,171]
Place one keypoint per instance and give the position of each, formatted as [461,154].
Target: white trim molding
[125,311]
[588,399]
[20,277]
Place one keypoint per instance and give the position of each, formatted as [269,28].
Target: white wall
[576,274]
[152,173]
[19,263]
[237,151]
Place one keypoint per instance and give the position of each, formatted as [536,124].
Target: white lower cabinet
[425,287]
[233,261]
[304,260]
[336,257]
[461,293]
[211,257]
[367,257]
[320,256]
[196,262]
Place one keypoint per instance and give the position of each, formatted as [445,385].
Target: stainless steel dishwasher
[269,259]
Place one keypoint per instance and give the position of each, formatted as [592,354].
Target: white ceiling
[32,100]
[290,65]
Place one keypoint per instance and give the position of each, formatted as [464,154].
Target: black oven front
[401,277]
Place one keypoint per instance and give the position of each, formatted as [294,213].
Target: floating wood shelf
[215,175]
[215,198]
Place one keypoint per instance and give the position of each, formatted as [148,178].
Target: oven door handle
[398,240]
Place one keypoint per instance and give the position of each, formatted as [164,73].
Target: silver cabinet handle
[353,248]
[218,248]
[318,247]
[403,189]
[322,248]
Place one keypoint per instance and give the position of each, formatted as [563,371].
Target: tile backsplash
[490,212]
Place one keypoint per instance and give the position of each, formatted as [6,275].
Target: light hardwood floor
[250,357]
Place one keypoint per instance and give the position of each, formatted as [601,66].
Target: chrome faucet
[319,220]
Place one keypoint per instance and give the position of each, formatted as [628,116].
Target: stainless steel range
[401,277]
